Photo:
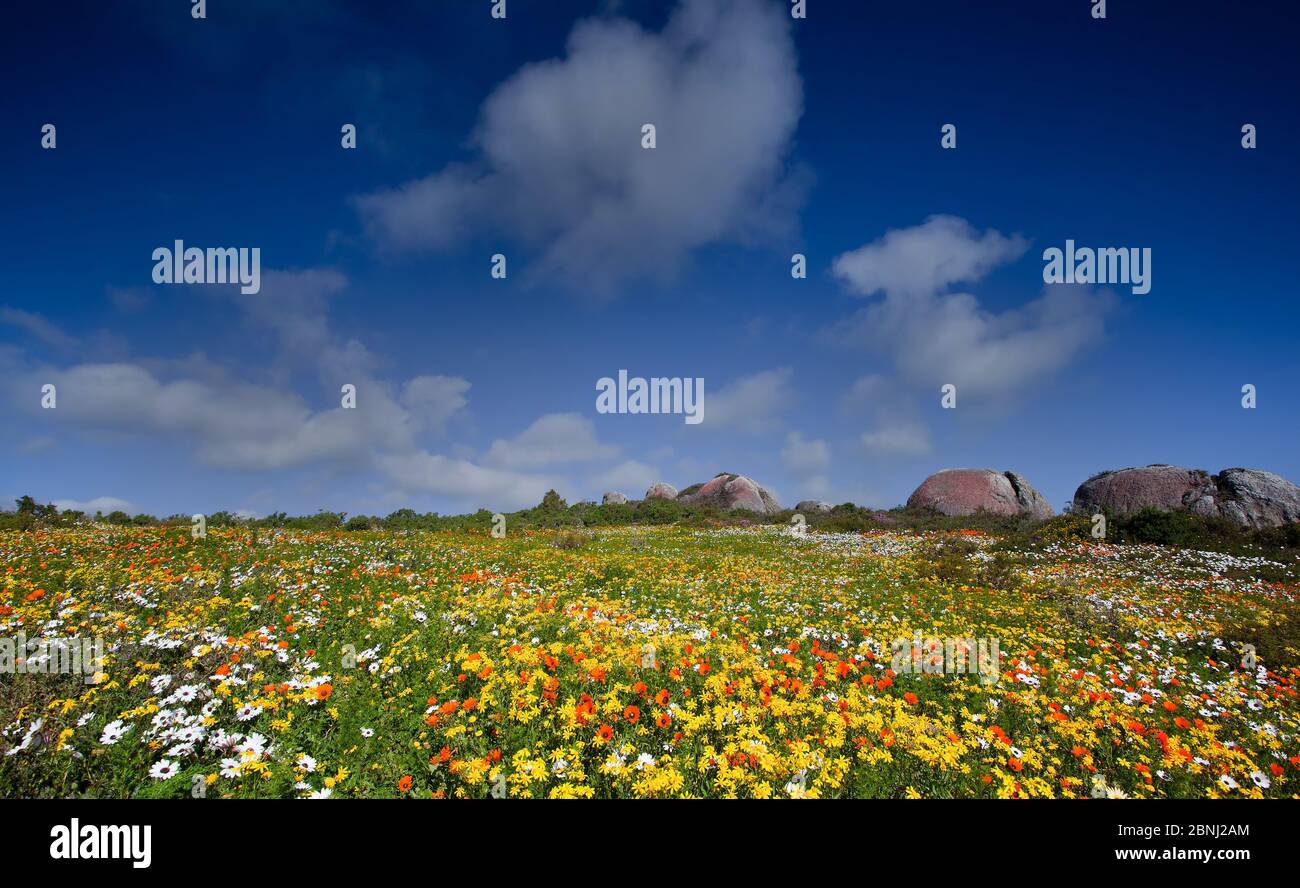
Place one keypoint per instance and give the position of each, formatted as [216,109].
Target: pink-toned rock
[661,490]
[1248,497]
[967,491]
[1167,488]
[729,491]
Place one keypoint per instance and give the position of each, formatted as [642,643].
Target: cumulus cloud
[558,160]
[230,423]
[895,431]
[433,400]
[431,473]
[903,439]
[105,504]
[933,337]
[805,458]
[552,439]
[926,258]
[631,477]
[750,404]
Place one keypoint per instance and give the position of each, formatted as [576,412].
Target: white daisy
[252,747]
[163,770]
[113,732]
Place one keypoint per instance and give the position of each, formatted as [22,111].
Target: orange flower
[470,705]
[632,714]
[605,733]
[404,785]
[1015,764]
[910,698]
[662,697]
[323,691]
[884,683]
[663,720]
[1170,706]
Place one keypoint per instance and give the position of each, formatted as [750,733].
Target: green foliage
[571,539]
[1176,529]
[1065,528]
[963,562]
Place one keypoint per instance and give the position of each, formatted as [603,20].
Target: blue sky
[522,136]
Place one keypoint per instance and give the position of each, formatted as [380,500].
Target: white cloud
[934,338]
[630,477]
[37,326]
[816,486]
[907,439]
[433,400]
[926,258]
[750,404]
[896,430]
[238,425]
[551,439]
[805,458]
[559,164]
[105,504]
[425,472]
[233,425]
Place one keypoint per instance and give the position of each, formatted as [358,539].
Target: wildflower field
[642,662]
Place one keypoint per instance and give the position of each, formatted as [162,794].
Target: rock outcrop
[1247,497]
[967,491]
[729,491]
[813,507]
[613,498]
[661,490]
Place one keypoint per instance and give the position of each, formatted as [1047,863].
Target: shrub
[570,539]
[1064,528]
